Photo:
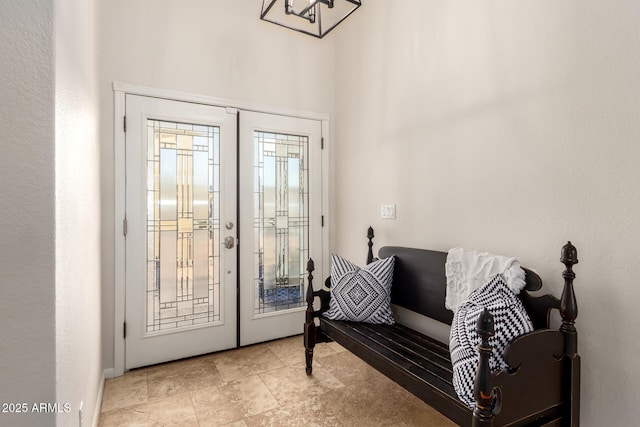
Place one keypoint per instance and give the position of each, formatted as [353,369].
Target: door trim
[120,92]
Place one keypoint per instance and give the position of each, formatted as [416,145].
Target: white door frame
[120,90]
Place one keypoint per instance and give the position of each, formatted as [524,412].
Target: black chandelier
[314,17]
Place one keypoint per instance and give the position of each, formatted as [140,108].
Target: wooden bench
[542,388]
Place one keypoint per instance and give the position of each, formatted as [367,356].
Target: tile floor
[263,385]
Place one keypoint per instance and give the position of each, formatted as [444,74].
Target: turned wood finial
[568,304]
[309,298]
[483,389]
[370,236]
[569,255]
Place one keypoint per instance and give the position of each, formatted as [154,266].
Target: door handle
[229,242]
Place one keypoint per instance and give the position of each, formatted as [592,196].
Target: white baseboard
[107,373]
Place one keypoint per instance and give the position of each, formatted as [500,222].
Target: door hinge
[124,123]
[124,226]
[124,330]
[322,220]
[322,143]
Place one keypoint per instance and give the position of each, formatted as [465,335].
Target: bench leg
[309,358]
[309,324]
[309,343]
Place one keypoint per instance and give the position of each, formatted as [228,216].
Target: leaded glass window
[281,220]
[183,225]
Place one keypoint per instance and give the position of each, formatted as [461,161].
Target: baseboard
[107,373]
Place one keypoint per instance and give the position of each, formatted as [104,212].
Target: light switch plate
[388,211]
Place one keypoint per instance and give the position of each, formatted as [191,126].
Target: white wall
[27,245]
[510,127]
[78,218]
[50,216]
[217,48]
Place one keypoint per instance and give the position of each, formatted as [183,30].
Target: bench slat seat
[424,353]
[415,361]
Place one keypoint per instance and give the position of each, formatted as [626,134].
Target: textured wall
[507,127]
[27,245]
[78,341]
[50,216]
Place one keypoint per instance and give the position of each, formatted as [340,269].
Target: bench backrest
[420,283]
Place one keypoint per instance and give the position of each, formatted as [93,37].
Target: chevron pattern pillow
[510,321]
[361,295]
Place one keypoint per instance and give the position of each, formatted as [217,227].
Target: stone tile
[182,376]
[246,361]
[125,417]
[324,349]
[125,391]
[347,368]
[292,385]
[335,347]
[240,423]
[233,401]
[264,385]
[289,350]
[211,423]
[306,413]
[378,401]
[172,411]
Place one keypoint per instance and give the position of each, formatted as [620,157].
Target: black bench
[542,388]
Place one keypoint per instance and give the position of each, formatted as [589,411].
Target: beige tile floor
[263,385]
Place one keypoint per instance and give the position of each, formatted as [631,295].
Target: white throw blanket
[468,270]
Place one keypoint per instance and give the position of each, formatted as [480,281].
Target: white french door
[280,222]
[219,229]
[181,277]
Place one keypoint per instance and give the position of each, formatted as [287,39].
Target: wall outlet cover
[388,211]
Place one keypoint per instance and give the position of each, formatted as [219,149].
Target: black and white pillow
[510,321]
[361,295]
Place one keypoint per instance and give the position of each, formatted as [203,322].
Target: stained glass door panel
[181,281]
[280,211]
[281,220]
[183,225]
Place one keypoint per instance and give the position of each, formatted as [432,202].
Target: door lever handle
[229,242]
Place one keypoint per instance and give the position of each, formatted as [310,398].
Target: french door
[192,188]
[281,222]
[181,208]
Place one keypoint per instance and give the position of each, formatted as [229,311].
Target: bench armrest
[325,297]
